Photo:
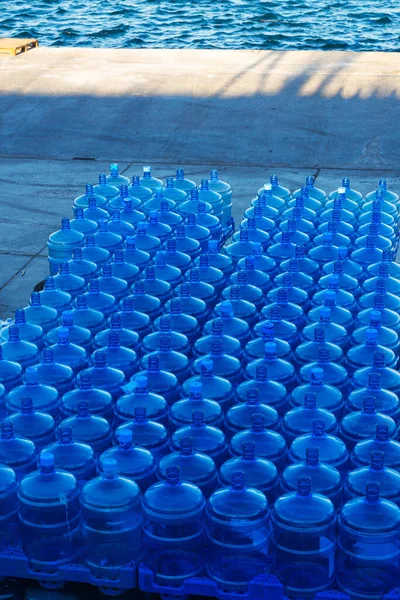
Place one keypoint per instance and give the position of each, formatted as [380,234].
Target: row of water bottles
[265,368]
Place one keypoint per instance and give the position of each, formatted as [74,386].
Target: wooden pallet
[14,46]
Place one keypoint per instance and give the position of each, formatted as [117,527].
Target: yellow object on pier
[14,46]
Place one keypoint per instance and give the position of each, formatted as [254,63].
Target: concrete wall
[66,113]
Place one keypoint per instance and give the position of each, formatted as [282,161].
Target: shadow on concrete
[281,109]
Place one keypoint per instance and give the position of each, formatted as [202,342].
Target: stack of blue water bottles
[220,413]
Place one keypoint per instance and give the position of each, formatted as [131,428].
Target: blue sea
[236,24]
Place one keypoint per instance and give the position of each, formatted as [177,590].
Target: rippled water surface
[253,24]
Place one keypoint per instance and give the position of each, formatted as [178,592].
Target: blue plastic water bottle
[158,229]
[118,226]
[156,406]
[51,296]
[259,473]
[282,328]
[73,456]
[299,278]
[182,183]
[145,300]
[137,189]
[123,269]
[362,355]
[256,348]
[29,332]
[230,345]
[325,479]
[386,401]
[169,360]
[104,189]
[166,272]
[89,429]
[389,318]
[49,515]
[111,521]
[344,298]
[262,261]
[38,427]
[390,378]
[55,374]
[111,284]
[288,310]
[94,210]
[186,243]
[68,353]
[237,520]
[332,450]
[240,416]
[350,192]
[206,438]
[179,341]
[270,392]
[61,243]
[82,223]
[89,195]
[361,453]
[195,467]
[306,264]
[299,421]
[191,305]
[134,255]
[38,314]
[339,314]
[308,351]
[224,365]
[269,444]
[388,479]
[45,398]
[94,252]
[345,282]
[127,337]
[81,266]
[146,434]
[86,317]
[361,425]
[248,292]
[115,178]
[133,319]
[9,537]
[134,463]
[19,351]
[149,181]
[174,188]
[173,525]
[278,369]
[369,529]
[304,539]
[105,376]
[155,202]
[98,300]
[334,374]
[295,294]
[196,231]
[100,401]
[231,325]
[118,357]
[16,452]
[104,238]
[159,381]
[181,412]
[214,387]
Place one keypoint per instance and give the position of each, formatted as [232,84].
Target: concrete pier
[66,113]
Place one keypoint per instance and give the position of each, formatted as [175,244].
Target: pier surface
[66,113]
